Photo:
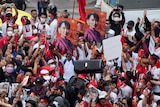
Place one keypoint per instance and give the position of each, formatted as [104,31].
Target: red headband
[43,101]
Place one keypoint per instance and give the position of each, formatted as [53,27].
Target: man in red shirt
[6,39]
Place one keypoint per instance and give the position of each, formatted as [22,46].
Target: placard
[112,47]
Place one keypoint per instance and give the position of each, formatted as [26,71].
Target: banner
[112,47]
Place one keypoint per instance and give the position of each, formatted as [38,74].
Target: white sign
[27,30]
[112,47]
[151,45]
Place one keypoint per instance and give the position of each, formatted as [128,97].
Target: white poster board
[112,47]
[151,45]
[27,30]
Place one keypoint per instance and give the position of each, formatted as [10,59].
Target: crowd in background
[39,68]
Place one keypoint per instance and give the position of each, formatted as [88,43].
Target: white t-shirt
[125,91]
[129,34]
[140,104]
[156,74]
[53,27]
[82,55]
[68,68]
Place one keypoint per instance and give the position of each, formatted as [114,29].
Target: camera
[116,9]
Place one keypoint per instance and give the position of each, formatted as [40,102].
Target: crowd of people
[37,67]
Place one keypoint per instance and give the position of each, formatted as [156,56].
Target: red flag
[81,6]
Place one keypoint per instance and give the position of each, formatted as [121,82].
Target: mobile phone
[8,4]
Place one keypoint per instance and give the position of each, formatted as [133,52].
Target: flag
[81,7]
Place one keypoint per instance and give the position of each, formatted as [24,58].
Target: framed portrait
[70,25]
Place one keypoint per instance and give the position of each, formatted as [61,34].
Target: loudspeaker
[88,66]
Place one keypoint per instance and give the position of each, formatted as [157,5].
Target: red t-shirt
[4,18]
[107,105]
[3,41]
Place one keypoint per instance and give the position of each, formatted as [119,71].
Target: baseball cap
[39,80]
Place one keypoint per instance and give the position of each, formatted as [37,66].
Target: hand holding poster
[112,47]
[27,30]
[25,80]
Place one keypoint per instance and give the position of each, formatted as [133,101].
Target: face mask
[53,66]
[33,19]
[9,33]
[129,27]
[49,19]
[9,69]
[43,20]
[116,19]
[8,15]
[15,30]
[35,31]
[141,29]
[107,88]
[41,105]
[26,48]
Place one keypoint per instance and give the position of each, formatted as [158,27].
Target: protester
[37,60]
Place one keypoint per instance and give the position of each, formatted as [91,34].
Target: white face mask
[116,19]
[43,20]
[35,31]
[53,66]
[9,33]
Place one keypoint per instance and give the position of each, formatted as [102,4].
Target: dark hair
[20,53]
[121,6]
[43,14]
[28,70]
[66,23]
[95,15]
[33,103]
[33,10]
[158,102]
[129,101]
[7,8]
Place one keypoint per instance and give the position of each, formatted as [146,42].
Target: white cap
[43,72]
[50,61]
[102,94]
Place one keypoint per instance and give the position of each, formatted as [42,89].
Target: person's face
[124,103]
[63,30]
[19,57]
[51,16]
[43,16]
[103,101]
[28,105]
[8,10]
[92,22]
[34,14]
[28,74]
[9,65]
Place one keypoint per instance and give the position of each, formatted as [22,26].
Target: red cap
[43,101]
